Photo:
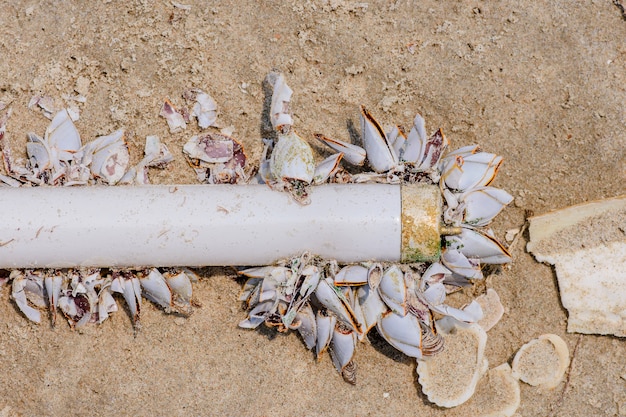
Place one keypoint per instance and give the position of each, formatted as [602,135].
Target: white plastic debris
[195,225]
[586,244]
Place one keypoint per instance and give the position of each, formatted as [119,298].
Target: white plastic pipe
[200,225]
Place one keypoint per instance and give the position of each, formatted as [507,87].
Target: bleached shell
[251,322]
[156,289]
[397,139]
[258,271]
[351,275]
[132,294]
[542,362]
[280,115]
[415,145]
[212,148]
[393,290]
[352,154]
[380,153]
[434,273]
[335,301]
[175,120]
[482,204]
[497,395]
[308,326]
[401,332]
[449,378]
[180,285]
[325,326]
[156,153]
[475,244]
[372,306]
[110,159]
[38,152]
[462,151]
[326,168]
[342,346]
[205,109]
[106,304]
[52,284]
[374,275]
[433,151]
[63,135]
[292,158]
[460,264]
[18,294]
[466,172]
[492,308]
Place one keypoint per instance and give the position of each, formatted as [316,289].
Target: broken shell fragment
[449,378]
[204,108]
[542,362]
[110,159]
[353,154]
[63,136]
[493,310]
[497,395]
[586,245]
[292,159]
[174,118]
[280,114]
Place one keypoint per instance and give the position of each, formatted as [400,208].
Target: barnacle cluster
[332,307]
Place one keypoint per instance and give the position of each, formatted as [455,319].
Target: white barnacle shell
[542,362]
[353,154]
[204,108]
[325,325]
[155,289]
[380,153]
[21,288]
[52,284]
[465,171]
[372,307]
[462,361]
[331,298]
[478,245]
[326,168]
[393,290]
[109,156]
[180,286]
[308,326]
[461,264]
[280,114]
[414,147]
[351,275]
[106,302]
[342,347]
[292,159]
[174,118]
[402,332]
[63,136]
[482,204]
[39,153]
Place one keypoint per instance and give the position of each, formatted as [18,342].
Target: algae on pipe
[203,225]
